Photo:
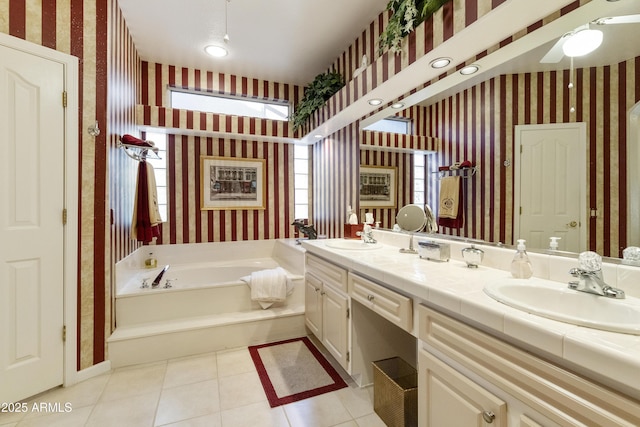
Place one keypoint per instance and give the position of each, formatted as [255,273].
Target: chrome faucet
[593,283]
[156,281]
[367,234]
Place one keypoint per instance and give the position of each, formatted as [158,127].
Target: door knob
[573,224]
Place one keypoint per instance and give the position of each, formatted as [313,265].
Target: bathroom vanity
[479,361]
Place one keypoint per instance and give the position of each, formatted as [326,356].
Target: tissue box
[351,230]
[434,251]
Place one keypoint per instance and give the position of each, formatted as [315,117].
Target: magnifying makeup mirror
[411,218]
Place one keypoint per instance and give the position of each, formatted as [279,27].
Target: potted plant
[406,16]
[323,87]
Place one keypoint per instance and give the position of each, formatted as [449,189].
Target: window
[391,124]
[160,169]
[419,174]
[301,181]
[238,106]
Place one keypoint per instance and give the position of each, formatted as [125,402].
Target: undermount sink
[358,245]
[558,302]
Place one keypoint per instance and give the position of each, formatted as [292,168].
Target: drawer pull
[317,289]
[488,416]
[322,293]
[370,297]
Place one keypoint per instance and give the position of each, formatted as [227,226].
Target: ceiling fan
[584,39]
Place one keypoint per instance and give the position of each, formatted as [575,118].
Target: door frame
[70,233]
[582,173]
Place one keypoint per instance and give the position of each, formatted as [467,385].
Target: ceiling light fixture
[397,105]
[317,136]
[226,22]
[440,62]
[582,42]
[469,69]
[375,101]
[216,51]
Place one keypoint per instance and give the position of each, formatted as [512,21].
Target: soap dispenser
[521,266]
[151,261]
[553,243]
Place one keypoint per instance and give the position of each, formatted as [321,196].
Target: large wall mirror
[475,118]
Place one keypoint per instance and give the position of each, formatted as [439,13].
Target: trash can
[395,392]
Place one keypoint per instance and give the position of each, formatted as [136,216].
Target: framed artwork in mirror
[232,183]
[378,186]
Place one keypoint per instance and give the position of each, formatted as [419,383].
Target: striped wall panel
[197,121]
[79,28]
[156,78]
[403,162]
[478,125]
[187,223]
[335,180]
[122,80]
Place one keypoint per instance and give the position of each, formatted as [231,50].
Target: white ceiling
[286,41]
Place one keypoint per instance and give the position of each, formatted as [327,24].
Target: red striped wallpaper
[478,125]
[187,223]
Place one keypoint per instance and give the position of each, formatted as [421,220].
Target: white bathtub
[207,307]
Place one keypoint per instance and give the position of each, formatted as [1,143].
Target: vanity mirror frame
[602,226]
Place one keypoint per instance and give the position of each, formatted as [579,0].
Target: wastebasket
[395,392]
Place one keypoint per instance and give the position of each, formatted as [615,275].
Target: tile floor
[219,389]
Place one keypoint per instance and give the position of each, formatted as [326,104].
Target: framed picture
[232,183]
[378,186]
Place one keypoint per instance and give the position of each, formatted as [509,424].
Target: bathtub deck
[156,341]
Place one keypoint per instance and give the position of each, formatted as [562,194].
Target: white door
[31,228]
[551,184]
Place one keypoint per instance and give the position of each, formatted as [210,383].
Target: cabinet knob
[317,289]
[488,416]
[322,293]
[370,297]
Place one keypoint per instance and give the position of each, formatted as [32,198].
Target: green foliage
[406,15]
[323,87]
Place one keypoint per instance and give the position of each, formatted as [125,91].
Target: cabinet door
[335,324]
[447,398]
[313,304]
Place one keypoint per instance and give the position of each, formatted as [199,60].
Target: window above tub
[229,104]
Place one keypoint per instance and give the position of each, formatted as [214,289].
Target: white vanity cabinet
[327,306]
[467,377]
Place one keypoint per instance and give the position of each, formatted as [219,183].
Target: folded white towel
[268,286]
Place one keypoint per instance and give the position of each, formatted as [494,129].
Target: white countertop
[607,357]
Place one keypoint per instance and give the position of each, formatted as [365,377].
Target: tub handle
[168,283]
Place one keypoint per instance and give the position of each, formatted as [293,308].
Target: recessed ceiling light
[317,136]
[375,101]
[440,62]
[397,105]
[469,69]
[216,51]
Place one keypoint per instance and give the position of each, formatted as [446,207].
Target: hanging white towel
[154,210]
[268,286]
[449,197]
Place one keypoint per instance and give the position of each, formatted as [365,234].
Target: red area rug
[293,370]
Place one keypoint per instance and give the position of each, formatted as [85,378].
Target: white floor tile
[134,381]
[188,401]
[211,420]
[321,411]
[358,401]
[189,370]
[240,390]
[233,362]
[371,420]
[136,411]
[254,415]
[76,417]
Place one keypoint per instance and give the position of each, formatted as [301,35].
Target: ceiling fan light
[582,43]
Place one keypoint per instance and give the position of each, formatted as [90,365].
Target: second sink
[351,244]
[558,302]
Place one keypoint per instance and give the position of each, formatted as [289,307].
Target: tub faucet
[593,283]
[305,229]
[156,281]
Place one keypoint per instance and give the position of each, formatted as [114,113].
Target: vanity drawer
[327,272]
[391,305]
